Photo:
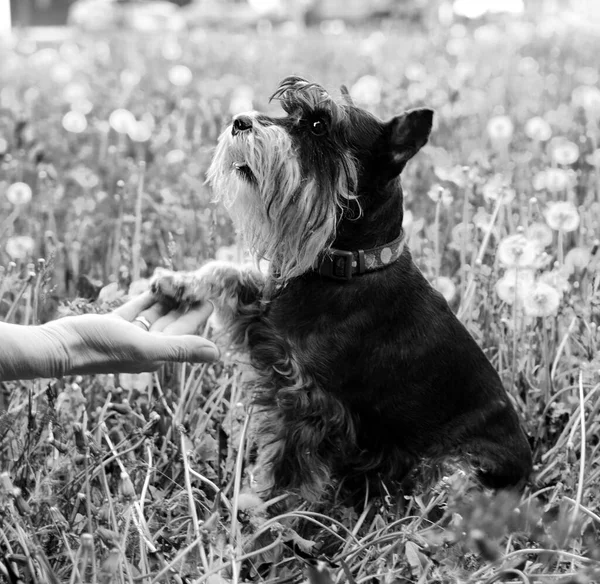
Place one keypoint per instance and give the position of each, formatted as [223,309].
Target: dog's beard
[281,216]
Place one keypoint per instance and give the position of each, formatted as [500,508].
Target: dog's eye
[318,127]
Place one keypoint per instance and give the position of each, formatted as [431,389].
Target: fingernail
[212,353]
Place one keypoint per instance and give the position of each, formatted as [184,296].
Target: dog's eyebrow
[296,93]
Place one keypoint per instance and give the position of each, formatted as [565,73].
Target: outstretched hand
[139,336]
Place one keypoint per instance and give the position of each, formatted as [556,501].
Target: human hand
[139,336]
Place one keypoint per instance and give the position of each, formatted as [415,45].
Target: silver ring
[143,321]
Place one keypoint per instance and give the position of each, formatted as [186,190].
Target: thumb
[185,348]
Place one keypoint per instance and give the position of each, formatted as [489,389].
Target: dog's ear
[408,133]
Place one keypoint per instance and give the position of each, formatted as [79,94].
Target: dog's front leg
[234,290]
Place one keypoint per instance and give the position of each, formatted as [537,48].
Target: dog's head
[290,181]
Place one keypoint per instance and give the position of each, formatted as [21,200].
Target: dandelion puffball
[446,287]
[541,233]
[542,300]
[514,285]
[463,234]
[538,129]
[129,78]
[19,193]
[435,192]
[180,75]
[587,97]
[498,188]
[75,122]
[562,216]
[367,90]
[594,157]
[175,156]
[20,247]
[122,120]
[565,153]
[557,278]
[140,132]
[228,253]
[556,179]
[500,128]
[577,259]
[517,251]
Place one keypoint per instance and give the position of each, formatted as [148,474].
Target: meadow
[104,144]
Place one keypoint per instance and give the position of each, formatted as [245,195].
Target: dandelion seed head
[577,259]
[180,75]
[542,300]
[558,278]
[175,156]
[446,287]
[122,120]
[20,247]
[74,122]
[366,91]
[541,233]
[140,132]
[562,216]
[538,129]
[500,128]
[19,193]
[517,250]
[514,285]
[565,152]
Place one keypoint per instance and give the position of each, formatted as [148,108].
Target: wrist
[27,352]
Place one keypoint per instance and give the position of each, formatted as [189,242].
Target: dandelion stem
[580,482]
[137,236]
[545,361]
[436,243]
[561,257]
[468,297]
[515,317]
[463,239]
[561,347]
[238,476]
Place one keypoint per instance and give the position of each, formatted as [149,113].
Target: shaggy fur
[360,377]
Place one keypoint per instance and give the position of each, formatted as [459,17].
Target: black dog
[361,366]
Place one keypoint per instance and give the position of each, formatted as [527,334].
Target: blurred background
[110,109]
[144,14]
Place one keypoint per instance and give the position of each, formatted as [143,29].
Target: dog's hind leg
[497,447]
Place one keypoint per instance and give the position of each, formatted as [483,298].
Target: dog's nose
[241,123]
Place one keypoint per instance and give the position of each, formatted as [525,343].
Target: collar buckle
[338,264]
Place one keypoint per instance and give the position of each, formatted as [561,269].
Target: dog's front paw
[182,289]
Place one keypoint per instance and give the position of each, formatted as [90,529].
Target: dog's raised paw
[182,289]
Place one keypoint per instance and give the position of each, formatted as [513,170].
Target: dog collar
[340,264]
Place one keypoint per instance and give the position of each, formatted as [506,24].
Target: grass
[140,478]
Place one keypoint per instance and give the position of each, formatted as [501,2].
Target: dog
[362,369]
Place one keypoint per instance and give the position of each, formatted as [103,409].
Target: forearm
[27,352]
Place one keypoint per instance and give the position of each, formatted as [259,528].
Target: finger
[148,317]
[164,321]
[133,307]
[185,349]
[191,321]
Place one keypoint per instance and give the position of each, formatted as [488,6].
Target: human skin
[107,343]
